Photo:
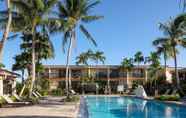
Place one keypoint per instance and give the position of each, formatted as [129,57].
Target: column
[1,86]
[70,77]
[108,80]
[14,87]
[146,75]
[49,71]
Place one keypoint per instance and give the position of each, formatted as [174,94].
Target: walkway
[48,108]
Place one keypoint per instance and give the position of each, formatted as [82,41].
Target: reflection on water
[125,107]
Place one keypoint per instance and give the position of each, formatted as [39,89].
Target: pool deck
[49,108]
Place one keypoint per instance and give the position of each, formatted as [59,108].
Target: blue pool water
[127,107]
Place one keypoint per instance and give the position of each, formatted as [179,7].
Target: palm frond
[88,19]
[159,41]
[66,37]
[92,5]
[86,33]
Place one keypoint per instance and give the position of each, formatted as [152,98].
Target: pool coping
[83,109]
[179,103]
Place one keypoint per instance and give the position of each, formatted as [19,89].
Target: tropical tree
[20,64]
[34,15]
[163,47]
[154,68]
[127,65]
[7,27]
[99,56]
[73,14]
[82,59]
[175,31]
[138,58]
[43,50]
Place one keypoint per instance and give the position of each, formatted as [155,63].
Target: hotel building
[112,75]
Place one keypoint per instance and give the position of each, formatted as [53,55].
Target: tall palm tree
[7,28]
[138,58]
[44,50]
[34,14]
[174,30]
[127,65]
[164,48]
[72,14]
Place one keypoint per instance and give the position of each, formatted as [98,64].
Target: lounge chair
[167,92]
[35,95]
[38,94]
[73,92]
[11,102]
[174,92]
[120,89]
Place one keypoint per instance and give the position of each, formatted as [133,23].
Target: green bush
[168,97]
[57,92]
[2,101]
[43,92]
[13,98]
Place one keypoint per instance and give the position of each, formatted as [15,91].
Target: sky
[128,26]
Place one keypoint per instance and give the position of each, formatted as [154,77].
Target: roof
[103,66]
[10,73]
[90,66]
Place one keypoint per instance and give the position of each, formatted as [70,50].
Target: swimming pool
[128,107]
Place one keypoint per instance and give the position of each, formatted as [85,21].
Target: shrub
[13,98]
[2,101]
[43,92]
[57,92]
[168,97]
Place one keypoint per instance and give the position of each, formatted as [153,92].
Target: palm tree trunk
[33,69]
[127,79]
[67,64]
[23,73]
[33,61]
[165,64]
[7,30]
[176,69]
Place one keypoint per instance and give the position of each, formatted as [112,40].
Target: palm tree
[174,30]
[155,67]
[82,59]
[99,56]
[44,50]
[34,13]
[20,64]
[165,49]
[72,14]
[138,58]
[127,64]
[7,29]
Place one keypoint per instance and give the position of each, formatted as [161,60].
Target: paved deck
[48,108]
